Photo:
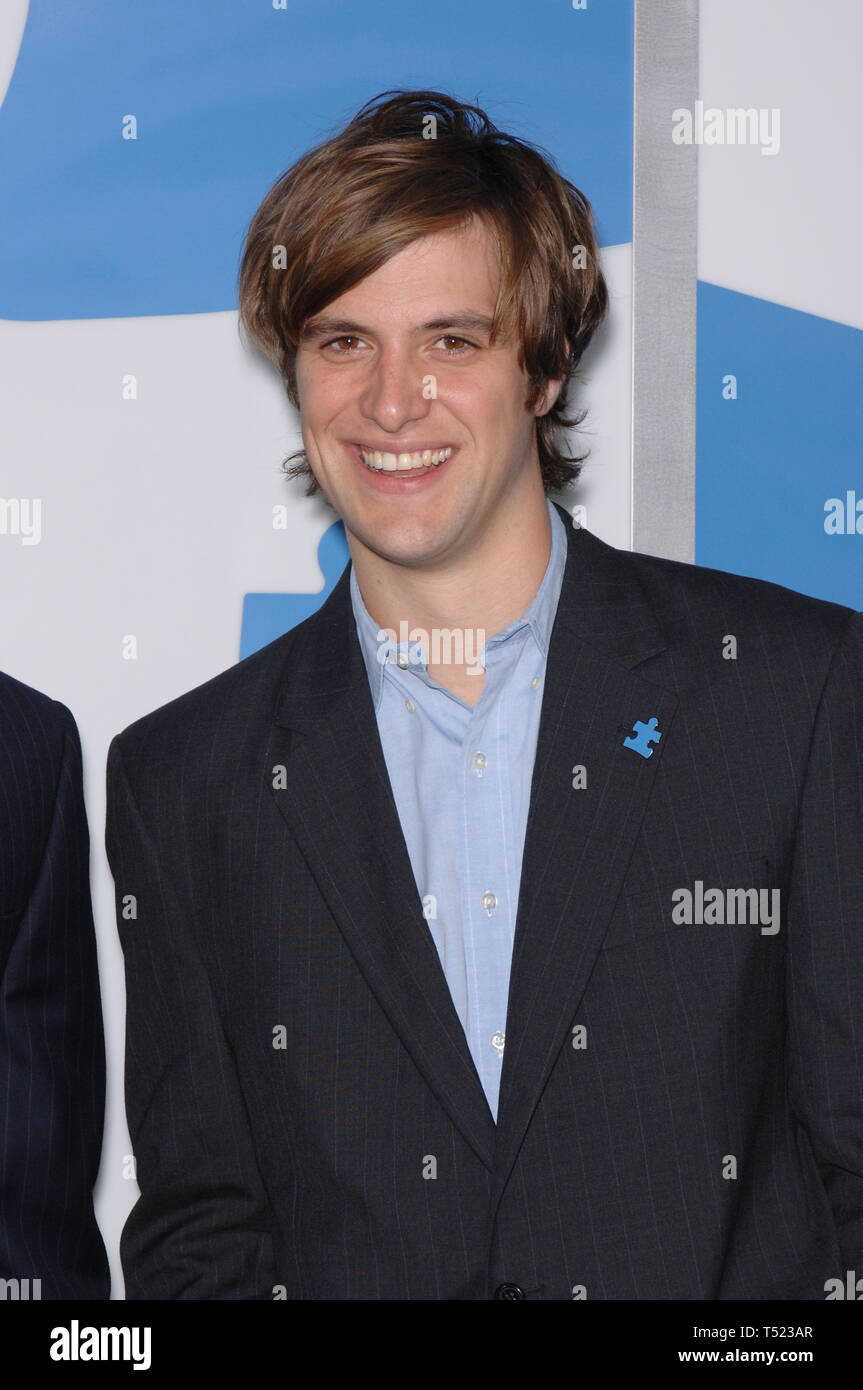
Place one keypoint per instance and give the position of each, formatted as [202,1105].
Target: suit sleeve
[52,1058]
[825,946]
[201,1228]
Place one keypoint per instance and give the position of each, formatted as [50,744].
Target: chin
[404,544]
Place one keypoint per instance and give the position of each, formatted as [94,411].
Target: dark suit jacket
[701,1137]
[52,1052]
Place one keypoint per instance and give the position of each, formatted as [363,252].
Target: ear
[549,395]
[551,392]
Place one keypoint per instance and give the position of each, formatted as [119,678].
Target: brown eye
[450,338]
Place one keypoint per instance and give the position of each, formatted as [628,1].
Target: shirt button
[478,762]
[534,683]
[497,1041]
[489,902]
[409,706]
[402,660]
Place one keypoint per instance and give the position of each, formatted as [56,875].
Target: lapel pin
[643,736]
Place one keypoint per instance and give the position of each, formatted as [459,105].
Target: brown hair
[410,164]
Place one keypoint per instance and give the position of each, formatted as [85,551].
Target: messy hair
[411,163]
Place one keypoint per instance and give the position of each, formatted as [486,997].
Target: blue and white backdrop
[148,538]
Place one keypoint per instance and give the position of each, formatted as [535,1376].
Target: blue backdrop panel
[267,616]
[227,94]
[771,463]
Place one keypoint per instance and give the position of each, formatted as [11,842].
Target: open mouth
[408,465]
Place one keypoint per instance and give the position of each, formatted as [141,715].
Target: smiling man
[439,488]
[414,1010]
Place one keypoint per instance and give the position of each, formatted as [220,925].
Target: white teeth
[391,463]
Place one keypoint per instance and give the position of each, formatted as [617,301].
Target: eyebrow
[324,327]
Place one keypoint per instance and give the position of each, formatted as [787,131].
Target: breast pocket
[724,891]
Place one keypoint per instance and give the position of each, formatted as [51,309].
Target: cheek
[317,395]
[490,404]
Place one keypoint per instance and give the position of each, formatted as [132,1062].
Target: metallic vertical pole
[664,281]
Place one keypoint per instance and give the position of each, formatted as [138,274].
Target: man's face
[401,365]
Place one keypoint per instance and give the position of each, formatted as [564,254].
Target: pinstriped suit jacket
[681,1109]
[52,1055]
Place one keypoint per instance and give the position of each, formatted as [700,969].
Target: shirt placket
[485,905]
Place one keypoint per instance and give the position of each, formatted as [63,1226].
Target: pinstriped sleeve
[825,946]
[52,1050]
[201,1228]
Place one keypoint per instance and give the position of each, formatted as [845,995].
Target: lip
[404,481]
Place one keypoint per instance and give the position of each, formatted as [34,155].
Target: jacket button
[509,1291]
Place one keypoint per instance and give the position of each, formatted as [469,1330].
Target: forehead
[449,270]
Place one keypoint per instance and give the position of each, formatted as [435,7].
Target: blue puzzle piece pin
[642,737]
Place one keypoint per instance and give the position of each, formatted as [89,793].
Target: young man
[528,974]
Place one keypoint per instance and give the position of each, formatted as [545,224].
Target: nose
[396,391]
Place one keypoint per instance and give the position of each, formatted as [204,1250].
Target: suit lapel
[578,842]
[338,805]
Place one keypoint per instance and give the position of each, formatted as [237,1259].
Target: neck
[486,585]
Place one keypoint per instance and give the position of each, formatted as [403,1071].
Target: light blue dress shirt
[461,777]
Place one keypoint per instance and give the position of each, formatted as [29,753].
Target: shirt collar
[538,617]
